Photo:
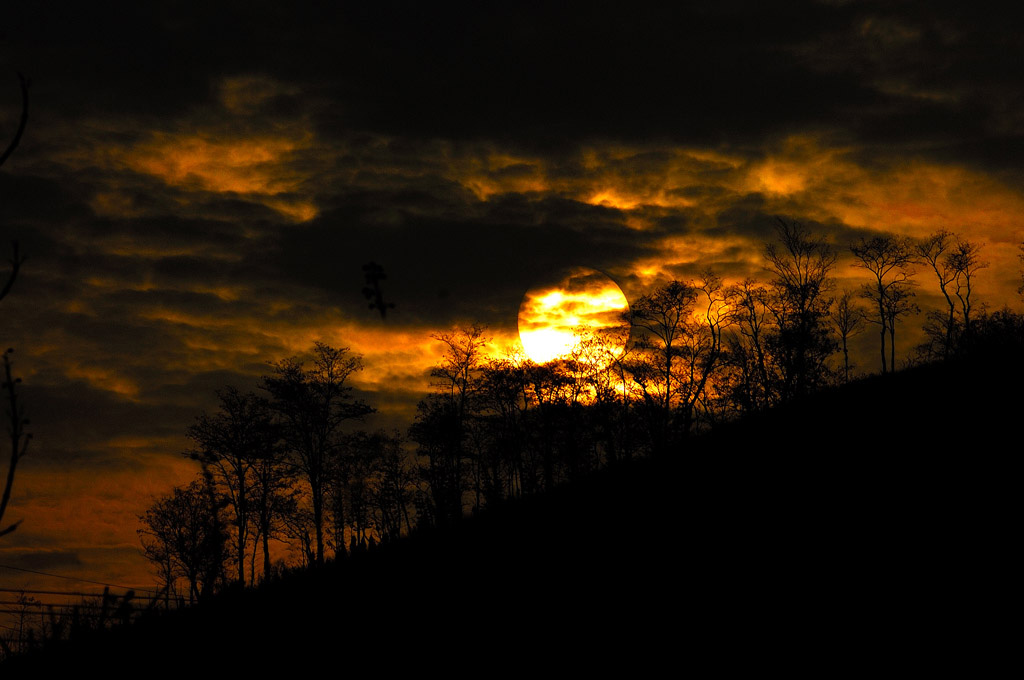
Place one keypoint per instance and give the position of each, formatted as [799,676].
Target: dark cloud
[73,421]
[52,560]
[471,266]
[544,77]
[201,184]
[27,201]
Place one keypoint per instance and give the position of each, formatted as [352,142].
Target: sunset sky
[200,185]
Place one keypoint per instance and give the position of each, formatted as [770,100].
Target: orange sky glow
[802,178]
[187,227]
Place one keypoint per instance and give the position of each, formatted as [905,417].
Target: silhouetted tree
[659,320]
[313,405]
[603,351]
[230,444]
[848,320]
[393,487]
[17,422]
[440,426]
[998,336]
[297,526]
[183,536]
[934,251]
[503,465]
[703,346]
[750,386]
[799,302]
[372,488]
[954,261]
[19,438]
[274,497]
[965,261]
[1020,256]
[898,303]
[889,259]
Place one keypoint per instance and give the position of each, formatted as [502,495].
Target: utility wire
[66,605]
[80,580]
[75,593]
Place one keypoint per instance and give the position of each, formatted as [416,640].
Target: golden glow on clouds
[618,177]
[255,167]
[552,315]
[689,189]
[245,94]
[781,178]
[494,172]
[804,177]
[104,379]
[216,163]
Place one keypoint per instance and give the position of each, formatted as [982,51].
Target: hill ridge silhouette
[884,503]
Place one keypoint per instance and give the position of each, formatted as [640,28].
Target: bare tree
[955,261]
[898,303]
[22,122]
[661,317]
[890,260]
[934,251]
[848,320]
[230,445]
[965,261]
[440,429]
[313,404]
[703,344]
[392,491]
[752,389]
[1020,256]
[19,438]
[273,499]
[801,265]
[17,422]
[182,535]
[659,320]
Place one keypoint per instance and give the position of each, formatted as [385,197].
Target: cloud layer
[198,190]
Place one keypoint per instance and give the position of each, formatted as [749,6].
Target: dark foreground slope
[874,520]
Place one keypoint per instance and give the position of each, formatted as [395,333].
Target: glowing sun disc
[556,316]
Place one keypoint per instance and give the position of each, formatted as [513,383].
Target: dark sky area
[200,184]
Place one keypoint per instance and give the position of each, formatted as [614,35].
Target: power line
[75,593]
[80,580]
[67,605]
[80,605]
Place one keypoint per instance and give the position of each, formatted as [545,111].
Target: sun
[578,311]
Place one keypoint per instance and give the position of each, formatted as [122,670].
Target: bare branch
[21,124]
[16,261]
[19,438]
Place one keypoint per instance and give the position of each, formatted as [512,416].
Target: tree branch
[19,439]
[21,124]
[16,262]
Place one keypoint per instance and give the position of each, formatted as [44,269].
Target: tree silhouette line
[17,423]
[289,466]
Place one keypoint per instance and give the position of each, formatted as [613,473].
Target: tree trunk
[883,346]
[318,522]
[892,347]
[266,551]
[846,360]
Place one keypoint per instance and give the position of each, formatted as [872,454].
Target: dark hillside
[875,518]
